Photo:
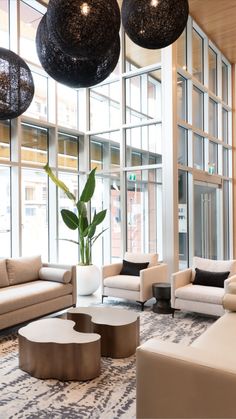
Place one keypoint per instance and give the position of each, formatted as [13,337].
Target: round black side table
[161,291]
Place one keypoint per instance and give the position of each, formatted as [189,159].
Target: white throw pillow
[23,269]
[55,274]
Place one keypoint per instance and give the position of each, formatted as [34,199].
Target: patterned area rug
[110,396]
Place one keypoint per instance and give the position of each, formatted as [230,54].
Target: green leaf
[82,210]
[99,217]
[58,182]
[70,219]
[91,230]
[83,225]
[89,187]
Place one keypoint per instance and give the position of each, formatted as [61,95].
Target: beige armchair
[137,288]
[201,298]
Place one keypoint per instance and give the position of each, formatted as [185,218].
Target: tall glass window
[5,212]
[34,213]
[182,146]
[105,101]
[212,74]
[5,140]
[213,156]
[66,106]
[39,106]
[183,219]
[197,56]
[225,129]
[29,20]
[182,50]
[225,162]
[4,24]
[182,97]
[213,118]
[68,151]
[34,144]
[68,251]
[143,210]
[198,152]
[137,57]
[143,97]
[225,87]
[143,142]
[198,108]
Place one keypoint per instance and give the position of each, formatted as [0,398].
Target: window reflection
[68,151]
[34,213]
[4,24]
[142,143]
[5,140]
[66,106]
[183,219]
[34,144]
[29,21]
[198,152]
[182,146]
[39,105]
[5,212]
[198,108]
[212,59]
[213,118]
[182,50]
[197,56]
[182,97]
[105,101]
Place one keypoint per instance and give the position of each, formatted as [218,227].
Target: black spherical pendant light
[16,85]
[154,24]
[73,71]
[84,28]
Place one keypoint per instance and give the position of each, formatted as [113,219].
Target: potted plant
[88,275]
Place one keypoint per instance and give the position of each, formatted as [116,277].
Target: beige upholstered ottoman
[51,348]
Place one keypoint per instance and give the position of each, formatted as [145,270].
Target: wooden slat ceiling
[217,18]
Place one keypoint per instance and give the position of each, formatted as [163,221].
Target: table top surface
[107,315]
[161,285]
[55,331]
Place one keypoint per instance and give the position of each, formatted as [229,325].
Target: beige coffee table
[118,328]
[51,348]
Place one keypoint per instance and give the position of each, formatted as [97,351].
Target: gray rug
[110,396]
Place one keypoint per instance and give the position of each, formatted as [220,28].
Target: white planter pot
[88,279]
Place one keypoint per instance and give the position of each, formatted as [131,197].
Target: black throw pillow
[210,279]
[131,268]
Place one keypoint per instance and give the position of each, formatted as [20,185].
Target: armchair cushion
[214,265]
[125,282]
[210,279]
[198,293]
[133,269]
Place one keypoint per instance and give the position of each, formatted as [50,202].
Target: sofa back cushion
[23,269]
[151,258]
[4,282]
[214,265]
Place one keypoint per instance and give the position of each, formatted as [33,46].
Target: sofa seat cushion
[203,294]
[124,282]
[220,338]
[23,295]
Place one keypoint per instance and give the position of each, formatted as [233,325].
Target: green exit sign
[132,177]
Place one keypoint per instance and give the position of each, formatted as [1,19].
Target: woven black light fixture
[16,85]
[73,71]
[154,24]
[83,28]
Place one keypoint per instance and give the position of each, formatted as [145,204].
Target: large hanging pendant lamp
[74,71]
[16,85]
[154,24]
[85,28]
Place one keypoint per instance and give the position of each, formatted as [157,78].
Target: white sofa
[30,289]
[199,298]
[196,381]
[136,288]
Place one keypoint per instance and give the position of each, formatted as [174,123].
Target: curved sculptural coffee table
[51,348]
[118,328]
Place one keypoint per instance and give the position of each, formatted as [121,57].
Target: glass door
[207,220]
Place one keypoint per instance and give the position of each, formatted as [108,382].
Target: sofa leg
[142,304]
[103,297]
